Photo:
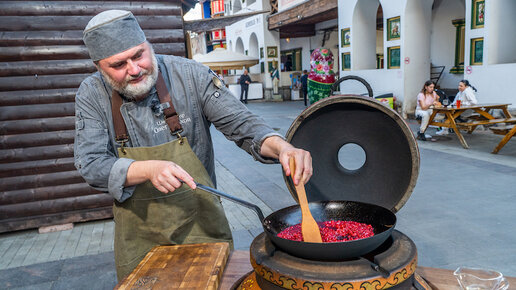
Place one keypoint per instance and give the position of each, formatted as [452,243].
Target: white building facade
[395,44]
[252,36]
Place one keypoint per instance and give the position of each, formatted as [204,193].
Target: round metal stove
[392,265]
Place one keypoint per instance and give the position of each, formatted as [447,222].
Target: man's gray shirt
[198,102]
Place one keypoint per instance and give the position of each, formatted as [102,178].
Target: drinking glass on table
[446,102]
[480,279]
[458,104]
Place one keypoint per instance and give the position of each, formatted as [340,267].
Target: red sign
[469,70]
[407,60]
[218,34]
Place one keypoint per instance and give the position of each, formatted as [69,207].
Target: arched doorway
[237,6]
[253,51]
[363,35]
[239,46]
[379,38]
[415,51]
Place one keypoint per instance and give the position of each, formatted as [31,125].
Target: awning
[222,59]
[208,24]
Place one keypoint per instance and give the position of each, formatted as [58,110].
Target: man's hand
[276,147]
[164,175]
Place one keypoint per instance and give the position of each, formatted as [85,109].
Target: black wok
[382,220]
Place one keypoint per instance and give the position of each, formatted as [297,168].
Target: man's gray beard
[135,92]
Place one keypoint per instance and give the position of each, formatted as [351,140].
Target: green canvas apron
[150,217]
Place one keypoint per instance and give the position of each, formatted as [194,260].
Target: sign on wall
[218,34]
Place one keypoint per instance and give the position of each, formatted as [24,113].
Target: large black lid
[391,167]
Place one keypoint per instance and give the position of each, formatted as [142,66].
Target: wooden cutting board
[195,266]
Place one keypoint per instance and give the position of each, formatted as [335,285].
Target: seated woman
[467,97]
[466,94]
[426,99]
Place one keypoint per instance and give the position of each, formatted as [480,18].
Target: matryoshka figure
[321,75]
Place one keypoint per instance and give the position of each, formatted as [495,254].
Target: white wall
[382,81]
[415,37]
[244,29]
[442,39]
[299,42]
[313,42]
[502,37]
[332,43]
[246,7]
[271,38]
[495,83]
[287,4]
[345,11]
[363,35]
[475,33]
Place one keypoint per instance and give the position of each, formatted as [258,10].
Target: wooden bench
[501,130]
[472,125]
[508,131]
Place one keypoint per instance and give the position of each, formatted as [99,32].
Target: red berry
[332,231]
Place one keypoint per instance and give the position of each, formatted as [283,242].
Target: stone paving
[460,213]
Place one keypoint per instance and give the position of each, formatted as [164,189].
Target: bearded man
[142,135]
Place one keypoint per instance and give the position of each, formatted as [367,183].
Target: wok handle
[232,198]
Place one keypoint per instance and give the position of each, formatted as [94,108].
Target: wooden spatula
[309,227]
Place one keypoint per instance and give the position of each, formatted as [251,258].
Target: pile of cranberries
[332,231]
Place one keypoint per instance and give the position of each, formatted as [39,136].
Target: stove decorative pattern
[294,283]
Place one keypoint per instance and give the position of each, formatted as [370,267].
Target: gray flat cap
[111,32]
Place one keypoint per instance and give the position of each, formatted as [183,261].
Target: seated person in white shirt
[467,97]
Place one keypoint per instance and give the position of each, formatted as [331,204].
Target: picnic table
[484,117]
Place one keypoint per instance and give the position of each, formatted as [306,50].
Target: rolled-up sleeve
[94,155]
[117,178]
[231,117]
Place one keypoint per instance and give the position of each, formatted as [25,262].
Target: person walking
[245,80]
[304,86]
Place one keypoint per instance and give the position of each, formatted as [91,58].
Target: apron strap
[171,116]
[118,120]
